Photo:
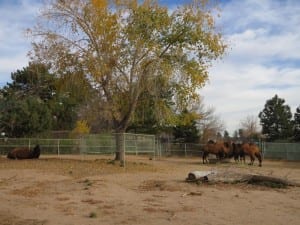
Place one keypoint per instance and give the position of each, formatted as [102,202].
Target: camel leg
[252,158]
[244,159]
[206,155]
[204,160]
[258,156]
[236,159]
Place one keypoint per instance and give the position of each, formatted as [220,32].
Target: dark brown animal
[238,153]
[24,153]
[220,149]
[229,149]
[251,150]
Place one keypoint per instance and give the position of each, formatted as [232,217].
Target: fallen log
[198,176]
[235,178]
[268,181]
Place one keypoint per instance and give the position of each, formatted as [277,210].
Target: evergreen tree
[276,119]
[226,135]
[186,130]
[186,133]
[24,102]
[297,124]
[31,103]
[235,135]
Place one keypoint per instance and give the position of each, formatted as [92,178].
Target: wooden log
[198,176]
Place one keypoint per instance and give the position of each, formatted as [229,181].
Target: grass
[93,215]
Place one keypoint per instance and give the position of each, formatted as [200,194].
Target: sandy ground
[94,190]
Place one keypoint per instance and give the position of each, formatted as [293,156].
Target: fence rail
[286,151]
[179,149]
[90,144]
[135,144]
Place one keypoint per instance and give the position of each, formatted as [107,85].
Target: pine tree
[297,124]
[276,119]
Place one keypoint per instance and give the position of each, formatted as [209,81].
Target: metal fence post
[135,144]
[58,150]
[153,147]
[123,152]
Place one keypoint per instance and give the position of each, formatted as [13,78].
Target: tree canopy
[24,109]
[249,128]
[127,48]
[34,102]
[276,119]
[297,124]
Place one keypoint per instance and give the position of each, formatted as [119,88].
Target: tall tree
[210,125]
[34,80]
[235,135]
[249,125]
[126,47]
[297,124]
[187,130]
[34,102]
[276,119]
[24,103]
[226,135]
[241,134]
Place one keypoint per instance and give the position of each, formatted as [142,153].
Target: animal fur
[24,153]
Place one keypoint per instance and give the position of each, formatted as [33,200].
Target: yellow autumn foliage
[81,129]
[99,4]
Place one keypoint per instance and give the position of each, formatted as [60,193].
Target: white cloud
[244,92]
[14,19]
[260,44]
[263,59]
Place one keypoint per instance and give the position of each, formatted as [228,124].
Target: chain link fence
[135,144]
[90,144]
[179,149]
[285,151]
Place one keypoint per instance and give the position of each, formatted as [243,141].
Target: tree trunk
[121,129]
[120,134]
[120,148]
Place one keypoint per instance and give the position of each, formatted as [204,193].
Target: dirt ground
[90,190]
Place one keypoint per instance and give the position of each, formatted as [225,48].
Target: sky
[263,58]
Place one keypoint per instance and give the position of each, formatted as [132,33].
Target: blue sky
[263,58]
